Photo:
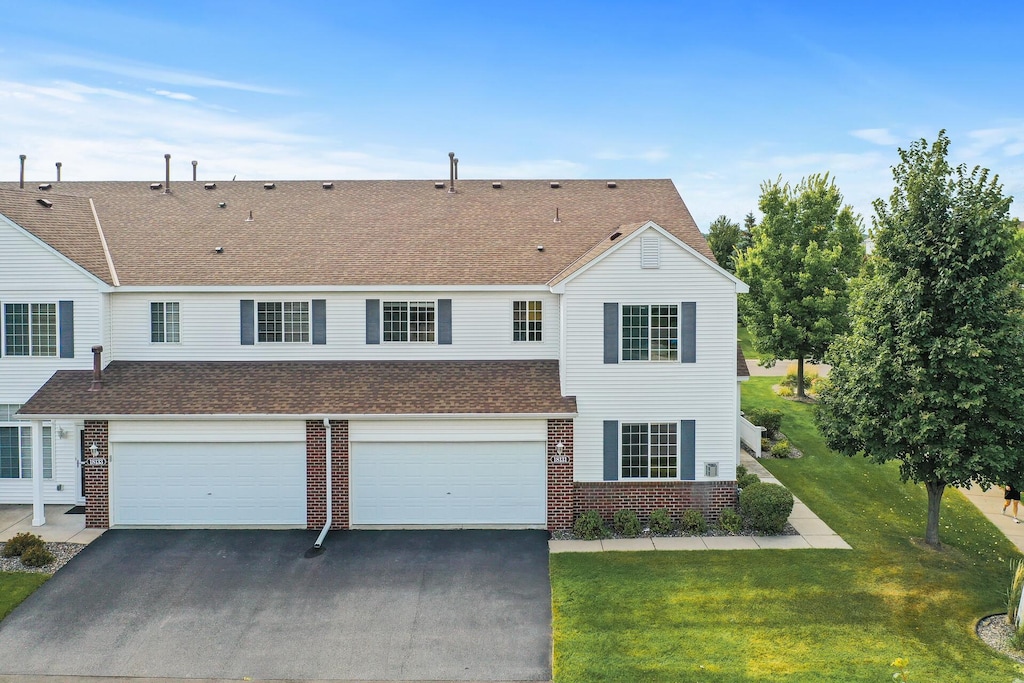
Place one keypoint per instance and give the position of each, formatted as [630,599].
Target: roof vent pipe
[58,170]
[167,180]
[21,177]
[194,164]
[451,172]
[456,160]
[97,371]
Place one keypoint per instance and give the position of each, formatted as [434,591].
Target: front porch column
[38,513]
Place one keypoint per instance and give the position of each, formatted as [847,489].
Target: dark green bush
[626,523]
[589,526]
[730,520]
[36,556]
[781,449]
[661,521]
[747,479]
[20,543]
[766,507]
[740,471]
[693,522]
[769,418]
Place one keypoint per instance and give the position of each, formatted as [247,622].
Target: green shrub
[693,522]
[20,543]
[661,521]
[589,526]
[747,479]
[766,507]
[740,471]
[810,376]
[781,449]
[36,556]
[769,418]
[730,520]
[626,523]
[766,444]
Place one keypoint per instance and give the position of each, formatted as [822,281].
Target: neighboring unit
[363,353]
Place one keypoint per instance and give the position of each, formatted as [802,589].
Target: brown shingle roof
[68,225]
[741,363]
[373,232]
[307,388]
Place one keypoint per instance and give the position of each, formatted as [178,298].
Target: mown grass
[796,615]
[15,587]
[746,343]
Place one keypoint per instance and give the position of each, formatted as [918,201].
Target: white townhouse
[363,353]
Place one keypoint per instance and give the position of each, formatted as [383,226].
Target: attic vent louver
[45,186]
[210,186]
[438,185]
[650,252]
[269,186]
[612,184]
[496,184]
[555,184]
[155,186]
[45,202]
[328,186]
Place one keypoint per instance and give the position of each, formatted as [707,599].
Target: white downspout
[330,485]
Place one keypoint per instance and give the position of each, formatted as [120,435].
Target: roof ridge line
[103,241]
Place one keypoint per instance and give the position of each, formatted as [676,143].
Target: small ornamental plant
[626,523]
[901,664]
[769,418]
[782,449]
[730,520]
[661,522]
[746,479]
[36,556]
[589,526]
[766,507]
[17,546]
[693,522]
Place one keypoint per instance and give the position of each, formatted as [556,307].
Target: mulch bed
[996,632]
[62,553]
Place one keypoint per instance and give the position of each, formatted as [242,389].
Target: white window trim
[20,425]
[512,318]
[622,332]
[180,335]
[256,321]
[3,329]
[408,322]
[649,423]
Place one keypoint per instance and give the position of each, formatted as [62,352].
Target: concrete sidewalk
[811,532]
[991,504]
[59,528]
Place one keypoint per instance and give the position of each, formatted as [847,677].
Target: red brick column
[560,488]
[97,477]
[316,474]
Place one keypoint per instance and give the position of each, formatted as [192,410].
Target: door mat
[77,510]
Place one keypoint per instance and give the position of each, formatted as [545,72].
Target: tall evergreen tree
[930,373]
[802,256]
[723,238]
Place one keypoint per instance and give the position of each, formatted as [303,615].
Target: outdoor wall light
[62,433]
[559,448]
[94,449]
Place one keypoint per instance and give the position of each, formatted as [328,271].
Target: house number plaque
[559,459]
[96,461]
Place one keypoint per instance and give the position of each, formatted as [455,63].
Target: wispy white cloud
[184,97]
[1006,140]
[878,136]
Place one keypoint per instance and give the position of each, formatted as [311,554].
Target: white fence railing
[750,435]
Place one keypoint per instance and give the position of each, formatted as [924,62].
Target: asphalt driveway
[377,605]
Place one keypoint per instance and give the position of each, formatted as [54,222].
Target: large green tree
[931,372]
[724,238]
[802,256]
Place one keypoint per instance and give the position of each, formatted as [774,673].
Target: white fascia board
[332,288]
[313,416]
[103,286]
[741,287]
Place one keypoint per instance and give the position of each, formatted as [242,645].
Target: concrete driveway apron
[377,605]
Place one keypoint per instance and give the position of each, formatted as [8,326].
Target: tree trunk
[931,534]
[800,378]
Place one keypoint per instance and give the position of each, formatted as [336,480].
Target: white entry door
[461,484]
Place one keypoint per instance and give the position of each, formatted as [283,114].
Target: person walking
[1012,495]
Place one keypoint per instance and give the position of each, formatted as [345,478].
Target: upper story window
[30,329]
[16,447]
[413,321]
[282,321]
[164,322]
[527,321]
[650,451]
[650,332]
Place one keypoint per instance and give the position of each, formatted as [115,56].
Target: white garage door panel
[449,483]
[245,484]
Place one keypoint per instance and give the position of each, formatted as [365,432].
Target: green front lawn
[795,615]
[15,587]
[746,343]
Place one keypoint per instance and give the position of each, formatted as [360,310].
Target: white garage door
[200,484]
[465,484]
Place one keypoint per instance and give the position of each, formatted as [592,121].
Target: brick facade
[560,488]
[607,497]
[316,474]
[97,477]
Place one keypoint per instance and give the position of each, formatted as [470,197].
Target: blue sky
[717,96]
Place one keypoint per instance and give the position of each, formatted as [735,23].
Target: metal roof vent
[496,184]
[155,186]
[269,186]
[438,185]
[218,250]
[555,184]
[612,184]
[45,203]
[615,235]
[210,186]
[45,186]
[328,186]
[222,205]
[250,219]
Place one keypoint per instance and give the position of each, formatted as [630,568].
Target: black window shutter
[319,321]
[444,321]
[611,333]
[247,315]
[688,332]
[373,321]
[66,320]
[688,450]
[611,450]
